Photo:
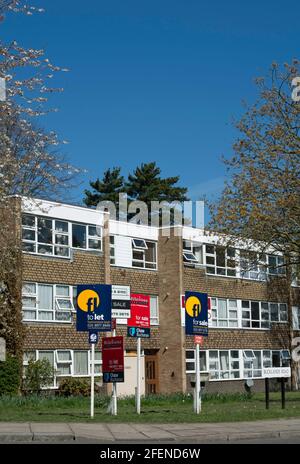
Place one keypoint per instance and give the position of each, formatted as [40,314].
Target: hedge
[10,376]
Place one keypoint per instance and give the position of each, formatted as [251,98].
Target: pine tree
[146,184]
[107,189]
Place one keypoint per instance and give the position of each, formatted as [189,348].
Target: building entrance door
[151,374]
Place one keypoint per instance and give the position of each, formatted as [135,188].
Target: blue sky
[156,79]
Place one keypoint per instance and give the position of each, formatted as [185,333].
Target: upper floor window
[192,252]
[245,264]
[224,312]
[246,314]
[252,265]
[43,302]
[220,260]
[143,254]
[53,237]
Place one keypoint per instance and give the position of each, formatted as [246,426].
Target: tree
[39,374]
[107,189]
[30,163]
[147,185]
[260,204]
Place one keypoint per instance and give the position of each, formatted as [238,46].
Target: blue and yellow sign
[196,313]
[93,308]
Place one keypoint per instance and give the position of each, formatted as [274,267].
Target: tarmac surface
[273,431]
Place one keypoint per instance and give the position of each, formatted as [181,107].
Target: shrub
[10,375]
[74,387]
[39,374]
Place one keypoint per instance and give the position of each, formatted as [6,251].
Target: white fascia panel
[128,229]
[62,211]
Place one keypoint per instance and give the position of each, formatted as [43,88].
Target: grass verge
[155,409]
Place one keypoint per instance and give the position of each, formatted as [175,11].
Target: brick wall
[172,375]
[139,281]
[84,267]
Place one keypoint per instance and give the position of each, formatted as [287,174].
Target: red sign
[140,311]
[112,355]
[198,340]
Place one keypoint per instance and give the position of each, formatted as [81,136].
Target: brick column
[172,376]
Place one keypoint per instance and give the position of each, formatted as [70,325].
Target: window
[66,363]
[43,302]
[220,260]
[52,237]
[112,250]
[236,364]
[192,252]
[252,364]
[142,257]
[81,363]
[139,243]
[252,265]
[190,361]
[154,316]
[296,317]
[255,315]
[278,312]
[224,364]
[224,312]
[276,265]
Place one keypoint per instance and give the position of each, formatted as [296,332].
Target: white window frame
[145,264]
[227,270]
[55,232]
[57,376]
[139,247]
[55,303]
[154,320]
[245,371]
[189,247]
[229,320]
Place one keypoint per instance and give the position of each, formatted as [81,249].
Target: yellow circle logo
[193,306]
[88,300]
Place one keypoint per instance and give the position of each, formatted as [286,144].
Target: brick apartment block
[65,245]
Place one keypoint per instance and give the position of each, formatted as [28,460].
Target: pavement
[230,432]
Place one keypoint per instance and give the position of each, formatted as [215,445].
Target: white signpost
[120,298]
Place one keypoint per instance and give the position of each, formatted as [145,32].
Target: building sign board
[276,372]
[196,313]
[135,332]
[120,301]
[93,308]
[113,359]
[140,311]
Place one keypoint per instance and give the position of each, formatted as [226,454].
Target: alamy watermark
[165,215]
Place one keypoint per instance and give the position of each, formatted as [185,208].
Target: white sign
[271,372]
[120,301]
[120,292]
[2,349]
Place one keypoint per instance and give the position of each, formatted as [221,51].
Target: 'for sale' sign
[113,359]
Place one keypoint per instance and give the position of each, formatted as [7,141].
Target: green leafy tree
[261,201]
[39,374]
[106,189]
[147,185]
